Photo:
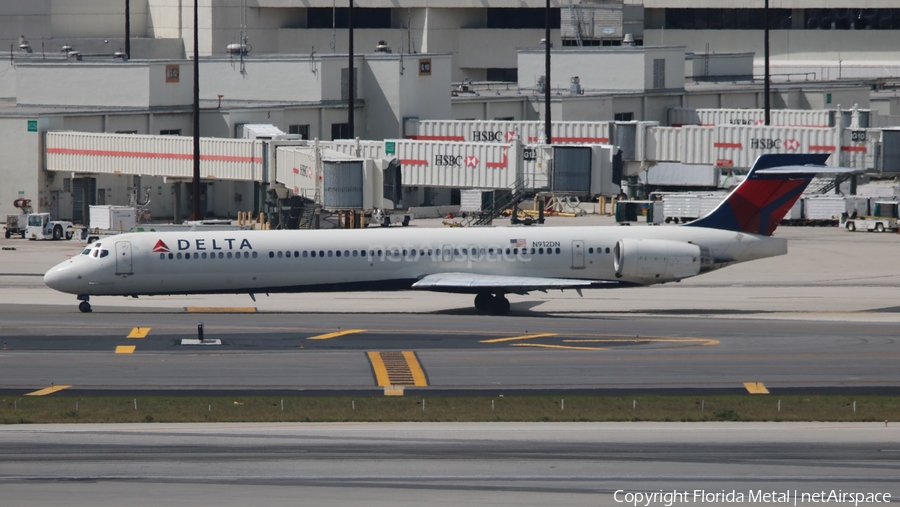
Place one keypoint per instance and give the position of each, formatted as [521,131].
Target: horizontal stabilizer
[807,170]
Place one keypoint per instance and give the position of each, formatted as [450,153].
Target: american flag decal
[517,242]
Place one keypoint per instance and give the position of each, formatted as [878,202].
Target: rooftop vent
[24,45]
[382,47]
[575,86]
[628,41]
[238,48]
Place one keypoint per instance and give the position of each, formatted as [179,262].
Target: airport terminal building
[284,63]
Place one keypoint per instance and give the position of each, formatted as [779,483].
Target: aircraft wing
[471,283]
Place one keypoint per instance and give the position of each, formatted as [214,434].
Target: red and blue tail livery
[771,188]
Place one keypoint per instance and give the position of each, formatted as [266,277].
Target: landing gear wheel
[500,306]
[85,307]
[57,232]
[483,302]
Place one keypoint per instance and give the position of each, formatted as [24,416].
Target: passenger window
[557,250]
[246,255]
[321,253]
[491,251]
[591,250]
[346,253]
[296,253]
[355,253]
[170,256]
[178,256]
[607,249]
[287,254]
[254,255]
[330,253]
[162,256]
[228,255]
[196,255]
[279,255]
[305,253]
[404,253]
[532,251]
[430,252]
[541,251]
[271,255]
[313,253]
[338,253]
[222,256]
[203,255]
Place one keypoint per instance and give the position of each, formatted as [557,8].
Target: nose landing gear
[84,306]
[490,303]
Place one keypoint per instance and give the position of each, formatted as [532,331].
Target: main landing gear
[84,306]
[496,304]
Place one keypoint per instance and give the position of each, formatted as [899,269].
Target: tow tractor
[41,227]
[884,218]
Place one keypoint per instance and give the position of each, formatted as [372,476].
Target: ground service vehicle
[16,223]
[884,218]
[41,227]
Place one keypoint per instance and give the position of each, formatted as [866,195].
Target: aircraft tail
[770,189]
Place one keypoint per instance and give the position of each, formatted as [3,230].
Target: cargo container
[112,218]
[824,208]
[686,207]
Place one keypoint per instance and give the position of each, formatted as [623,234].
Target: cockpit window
[94,253]
[86,252]
[104,253]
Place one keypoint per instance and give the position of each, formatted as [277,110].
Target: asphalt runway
[824,316]
[231,465]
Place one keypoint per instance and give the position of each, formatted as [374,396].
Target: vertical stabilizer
[762,200]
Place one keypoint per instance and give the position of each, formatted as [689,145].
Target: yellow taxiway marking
[125,349]
[756,388]
[381,374]
[415,368]
[700,342]
[224,309]
[514,338]
[138,332]
[48,390]
[548,346]
[397,369]
[335,334]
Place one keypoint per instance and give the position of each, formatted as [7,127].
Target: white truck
[41,227]
[385,218]
[884,218]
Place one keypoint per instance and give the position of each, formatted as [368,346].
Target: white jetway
[165,156]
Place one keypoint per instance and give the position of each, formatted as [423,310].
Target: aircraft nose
[52,278]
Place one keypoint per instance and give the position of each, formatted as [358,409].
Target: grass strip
[528,408]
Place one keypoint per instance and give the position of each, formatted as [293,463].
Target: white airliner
[488,262]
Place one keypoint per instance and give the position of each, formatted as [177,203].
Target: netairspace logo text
[787,497]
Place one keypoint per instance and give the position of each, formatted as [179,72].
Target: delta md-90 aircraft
[487,262]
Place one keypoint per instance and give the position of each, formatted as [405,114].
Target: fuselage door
[123,258]
[578,254]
